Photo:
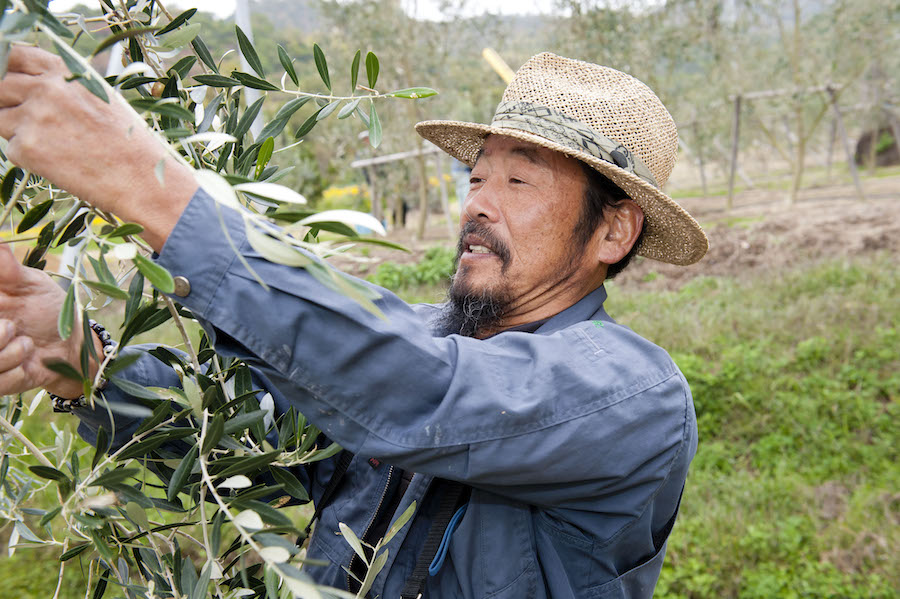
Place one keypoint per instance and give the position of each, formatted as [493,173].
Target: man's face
[517,226]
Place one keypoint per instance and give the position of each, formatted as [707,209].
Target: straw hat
[603,117]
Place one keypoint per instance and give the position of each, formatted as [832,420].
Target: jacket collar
[590,307]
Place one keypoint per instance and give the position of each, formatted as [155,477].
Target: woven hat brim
[670,234]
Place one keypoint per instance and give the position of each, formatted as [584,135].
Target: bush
[436,268]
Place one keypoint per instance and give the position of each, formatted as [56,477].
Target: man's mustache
[484,233]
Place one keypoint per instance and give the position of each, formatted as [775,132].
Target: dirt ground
[762,232]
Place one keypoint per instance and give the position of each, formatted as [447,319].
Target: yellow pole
[498,64]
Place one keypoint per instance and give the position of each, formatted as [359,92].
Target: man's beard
[470,312]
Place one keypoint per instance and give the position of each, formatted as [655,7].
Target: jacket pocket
[492,550]
[637,583]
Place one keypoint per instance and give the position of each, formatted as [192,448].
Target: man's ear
[619,231]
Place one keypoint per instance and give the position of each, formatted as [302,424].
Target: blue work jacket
[575,438]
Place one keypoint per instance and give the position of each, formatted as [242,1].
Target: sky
[425,8]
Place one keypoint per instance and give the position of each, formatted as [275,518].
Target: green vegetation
[796,381]
[34,573]
[434,269]
[885,141]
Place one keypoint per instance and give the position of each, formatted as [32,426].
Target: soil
[762,232]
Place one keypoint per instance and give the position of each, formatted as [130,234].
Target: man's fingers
[16,129]
[15,353]
[10,270]
[14,381]
[14,88]
[7,332]
[32,61]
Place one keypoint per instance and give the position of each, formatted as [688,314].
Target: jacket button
[182,286]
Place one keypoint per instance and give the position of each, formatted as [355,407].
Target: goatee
[470,312]
[473,313]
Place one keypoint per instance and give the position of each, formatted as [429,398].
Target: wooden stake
[740,170]
[700,163]
[831,140]
[735,134]
[843,132]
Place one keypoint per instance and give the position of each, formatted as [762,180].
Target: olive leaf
[180,37]
[181,474]
[216,80]
[288,66]
[322,65]
[67,314]
[156,274]
[249,52]
[354,70]
[374,127]
[413,93]
[254,82]
[178,21]
[122,35]
[372,69]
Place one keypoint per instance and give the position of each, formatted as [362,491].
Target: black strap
[340,469]
[450,492]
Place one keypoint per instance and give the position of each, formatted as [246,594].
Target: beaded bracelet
[61,404]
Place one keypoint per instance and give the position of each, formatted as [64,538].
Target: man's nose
[482,204]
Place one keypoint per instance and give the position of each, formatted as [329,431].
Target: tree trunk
[375,199]
[440,160]
[423,194]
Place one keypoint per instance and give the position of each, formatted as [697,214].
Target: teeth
[479,249]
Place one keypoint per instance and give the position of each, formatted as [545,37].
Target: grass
[796,381]
[796,385]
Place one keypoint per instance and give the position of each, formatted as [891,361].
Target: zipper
[369,526]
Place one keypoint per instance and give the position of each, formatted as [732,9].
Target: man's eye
[474,180]
[516,181]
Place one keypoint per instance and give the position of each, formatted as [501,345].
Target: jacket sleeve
[548,419]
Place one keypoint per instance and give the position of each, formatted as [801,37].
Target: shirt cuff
[201,248]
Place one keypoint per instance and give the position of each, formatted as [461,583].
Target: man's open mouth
[479,249]
[476,239]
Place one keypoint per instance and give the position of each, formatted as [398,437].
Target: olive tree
[188,505]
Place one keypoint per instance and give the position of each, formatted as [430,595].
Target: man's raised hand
[101,152]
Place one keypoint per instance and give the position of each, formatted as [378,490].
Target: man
[558,440]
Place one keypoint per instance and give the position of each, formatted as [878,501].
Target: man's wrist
[69,389]
[165,191]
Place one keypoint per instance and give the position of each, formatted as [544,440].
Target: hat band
[566,131]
